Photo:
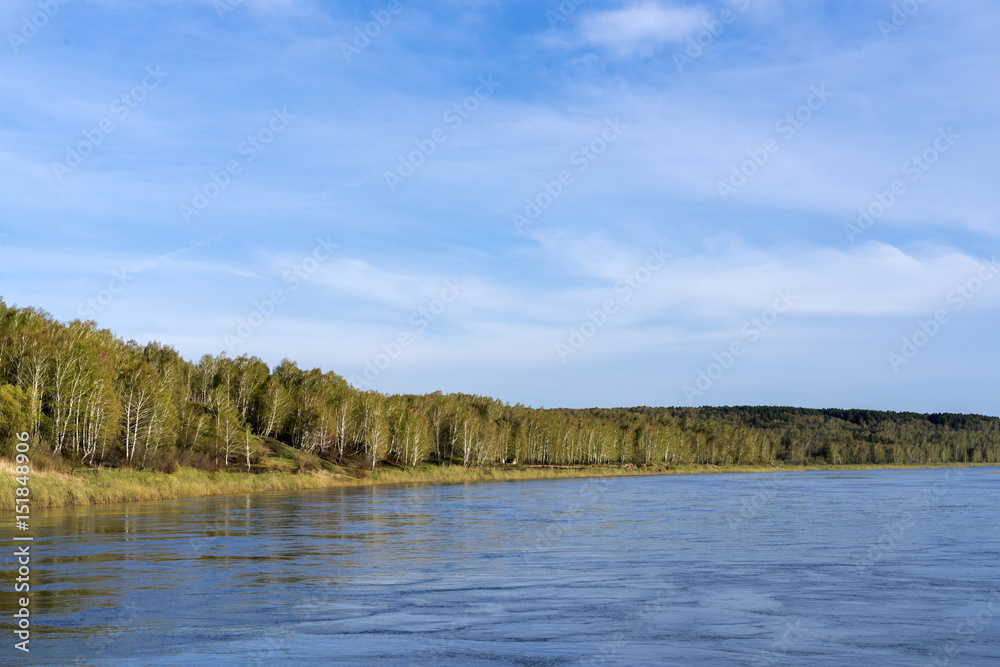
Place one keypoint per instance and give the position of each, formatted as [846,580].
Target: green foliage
[13,416]
[89,398]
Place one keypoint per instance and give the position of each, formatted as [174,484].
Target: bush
[163,462]
[198,459]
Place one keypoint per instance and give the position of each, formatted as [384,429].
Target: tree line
[91,398]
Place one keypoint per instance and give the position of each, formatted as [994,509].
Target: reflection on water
[875,567]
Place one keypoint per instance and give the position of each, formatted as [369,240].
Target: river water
[883,567]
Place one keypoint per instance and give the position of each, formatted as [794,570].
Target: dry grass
[92,487]
[457,473]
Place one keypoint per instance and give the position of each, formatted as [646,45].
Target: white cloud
[701,295]
[642,27]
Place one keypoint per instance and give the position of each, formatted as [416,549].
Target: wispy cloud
[641,29]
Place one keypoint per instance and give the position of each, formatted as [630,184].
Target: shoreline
[106,486]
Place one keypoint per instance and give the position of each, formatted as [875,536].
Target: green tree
[13,415]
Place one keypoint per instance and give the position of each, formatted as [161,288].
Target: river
[881,567]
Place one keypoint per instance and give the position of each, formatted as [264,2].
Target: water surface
[822,568]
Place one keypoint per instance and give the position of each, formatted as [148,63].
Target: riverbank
[95,487]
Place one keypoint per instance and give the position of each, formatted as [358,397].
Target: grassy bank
[92,487]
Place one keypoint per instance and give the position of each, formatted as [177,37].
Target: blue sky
[593,204]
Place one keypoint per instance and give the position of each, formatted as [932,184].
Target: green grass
[92,487]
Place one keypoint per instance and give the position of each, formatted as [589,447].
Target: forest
[87,398]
